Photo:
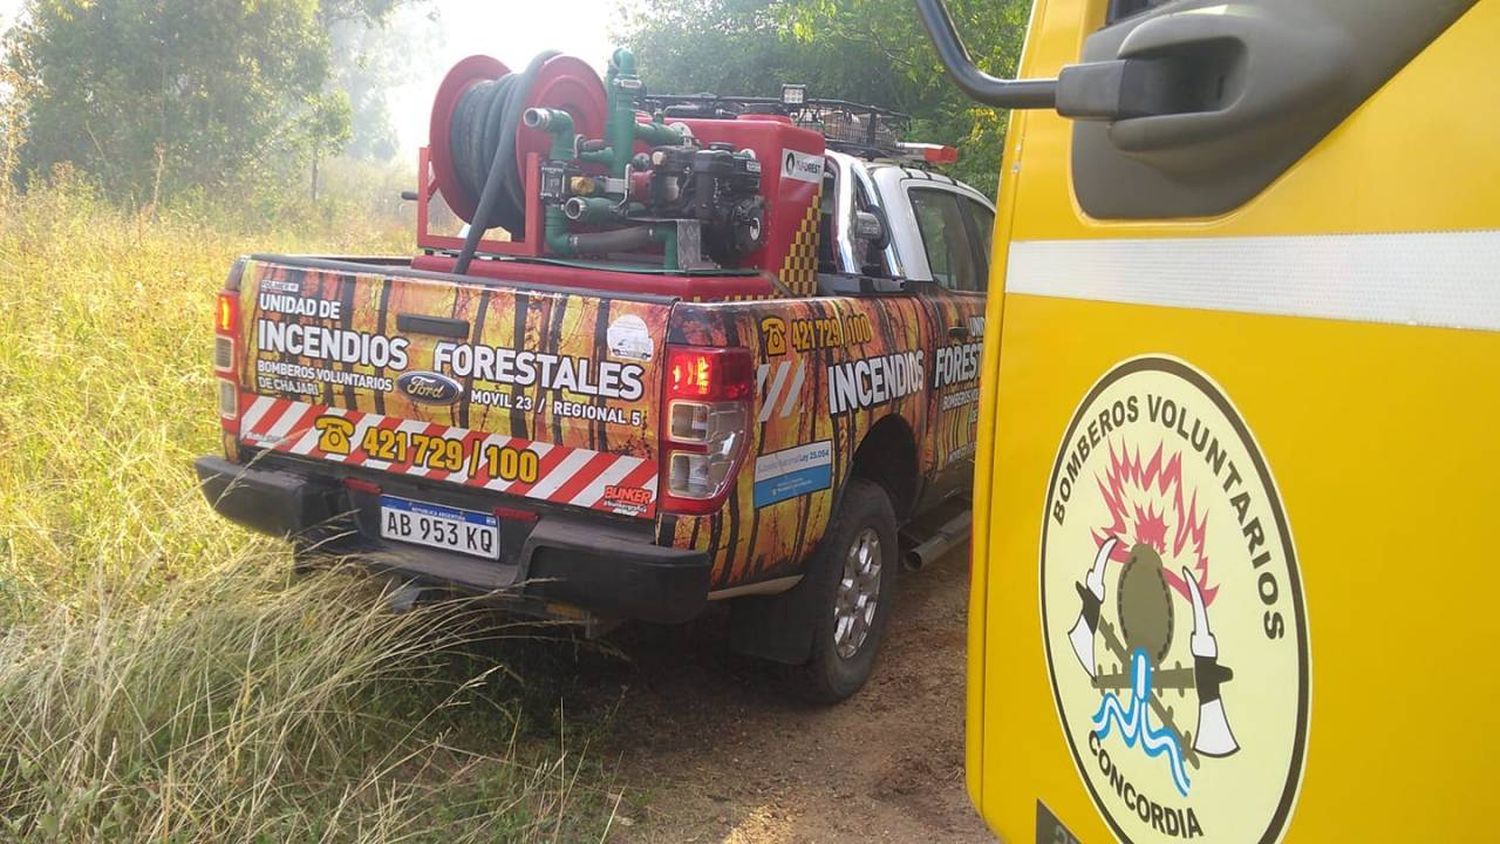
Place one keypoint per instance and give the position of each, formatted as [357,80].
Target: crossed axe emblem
[1213,736]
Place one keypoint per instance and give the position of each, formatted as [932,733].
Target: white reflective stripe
[770,398]
[794,395]
[561,474]
[305,439]
[255,411]
[616,471]
[1445,279]
[289,418]
[305,443]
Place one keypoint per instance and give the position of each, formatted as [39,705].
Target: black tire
[835,671]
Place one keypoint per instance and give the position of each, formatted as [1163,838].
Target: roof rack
[855,128]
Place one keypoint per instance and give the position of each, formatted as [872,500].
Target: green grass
[162,677]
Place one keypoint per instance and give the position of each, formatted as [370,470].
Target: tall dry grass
[161,676]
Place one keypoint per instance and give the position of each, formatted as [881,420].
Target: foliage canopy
[871,51]
[159,97]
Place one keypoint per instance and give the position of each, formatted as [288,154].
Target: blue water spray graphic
[1135,721]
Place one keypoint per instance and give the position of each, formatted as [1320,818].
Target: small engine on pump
[718,186]
[575,168]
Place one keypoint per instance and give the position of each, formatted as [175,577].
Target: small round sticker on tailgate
[629,338]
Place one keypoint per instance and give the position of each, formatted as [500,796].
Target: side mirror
[870,228]
[1106,90]
[1001,93]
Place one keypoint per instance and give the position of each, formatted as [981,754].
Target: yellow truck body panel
[1334,341]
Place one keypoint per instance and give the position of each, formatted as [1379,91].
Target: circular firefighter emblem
[1172,612]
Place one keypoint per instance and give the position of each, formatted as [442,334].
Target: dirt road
[710,748]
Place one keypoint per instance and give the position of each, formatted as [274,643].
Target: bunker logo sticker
[1172,612]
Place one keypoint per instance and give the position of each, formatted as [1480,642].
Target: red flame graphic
[1149,506]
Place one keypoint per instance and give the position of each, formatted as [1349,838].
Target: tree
[363,70]
[14,89]
[722,46]
[156,97]
[369,58]
[872,51]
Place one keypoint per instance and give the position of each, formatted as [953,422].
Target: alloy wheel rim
[858,594]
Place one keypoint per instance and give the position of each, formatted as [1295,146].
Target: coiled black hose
[483,150]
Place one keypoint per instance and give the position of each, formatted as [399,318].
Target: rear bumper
[611,570]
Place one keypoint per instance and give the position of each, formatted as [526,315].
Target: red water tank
[791,180]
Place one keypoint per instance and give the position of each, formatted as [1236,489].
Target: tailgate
[550,395]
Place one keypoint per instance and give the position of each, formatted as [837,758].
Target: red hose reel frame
[527,247]
[563,82]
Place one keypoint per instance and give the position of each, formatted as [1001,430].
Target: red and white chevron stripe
[574,476]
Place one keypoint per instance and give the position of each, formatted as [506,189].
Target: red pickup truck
[619,413]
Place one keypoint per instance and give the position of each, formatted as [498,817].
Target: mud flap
[778,628]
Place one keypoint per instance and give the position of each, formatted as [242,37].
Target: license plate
[436,526]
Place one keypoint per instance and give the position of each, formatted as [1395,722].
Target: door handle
[1208,74]
[408,323]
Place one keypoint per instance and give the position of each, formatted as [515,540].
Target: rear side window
[951,253]
[984,227]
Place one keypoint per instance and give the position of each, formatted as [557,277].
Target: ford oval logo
[429,387]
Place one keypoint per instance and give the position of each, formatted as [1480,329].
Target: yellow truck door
[1235,506]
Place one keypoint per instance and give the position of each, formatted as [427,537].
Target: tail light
[226,348]
[515,514]
[362,485]
[706,425]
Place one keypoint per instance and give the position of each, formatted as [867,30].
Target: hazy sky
[510,30]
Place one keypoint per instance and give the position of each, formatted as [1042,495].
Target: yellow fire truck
[1235,465]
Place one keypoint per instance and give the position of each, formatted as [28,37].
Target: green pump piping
[623,89]
[559,124]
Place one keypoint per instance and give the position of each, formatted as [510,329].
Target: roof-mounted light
[930,153]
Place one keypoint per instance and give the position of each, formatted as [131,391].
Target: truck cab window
[951,253]
[1121,9]
[983,220]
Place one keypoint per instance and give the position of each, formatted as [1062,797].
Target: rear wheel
[854,578]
